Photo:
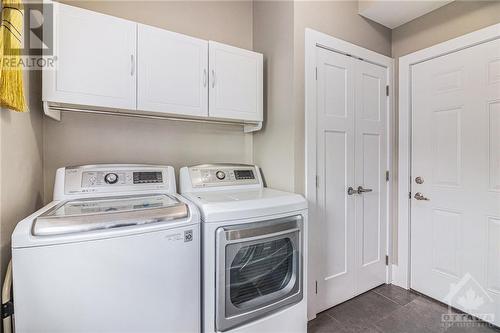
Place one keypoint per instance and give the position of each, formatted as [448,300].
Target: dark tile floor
[389,309]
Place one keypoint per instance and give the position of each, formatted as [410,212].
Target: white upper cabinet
[95,64]
[236,83]
[106,63]
[172,72]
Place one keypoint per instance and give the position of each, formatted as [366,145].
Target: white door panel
[335,147]
[455,151]
[371,162]
[172,72]
[351,152]
[96,56]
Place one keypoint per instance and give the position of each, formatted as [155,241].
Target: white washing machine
[116,251]
[253,250]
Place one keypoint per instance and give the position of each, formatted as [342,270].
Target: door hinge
[409,195]
[387,260]
[387,176]
[7,309]
[316,287]
[316,70]
[317,181]
[387,90]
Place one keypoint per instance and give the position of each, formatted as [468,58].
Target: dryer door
[259,269]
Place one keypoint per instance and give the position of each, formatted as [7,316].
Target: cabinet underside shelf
[55,112]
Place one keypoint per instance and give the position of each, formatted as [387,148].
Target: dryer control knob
[220,175]
[111,178]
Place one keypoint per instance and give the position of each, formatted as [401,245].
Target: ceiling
[393,13]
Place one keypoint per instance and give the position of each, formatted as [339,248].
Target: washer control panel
[115,177]
[108,178]
[223,175]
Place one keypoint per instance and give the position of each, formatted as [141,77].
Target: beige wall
[81,139]
[223,21]
[86,139]
[450,21]
[21,176]
[273,146]
[339,19]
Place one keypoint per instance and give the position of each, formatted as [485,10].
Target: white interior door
[172,72]
[455,235]
[351,152]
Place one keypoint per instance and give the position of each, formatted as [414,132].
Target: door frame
[402,271]
[314,39]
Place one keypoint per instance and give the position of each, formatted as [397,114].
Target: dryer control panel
[214,175]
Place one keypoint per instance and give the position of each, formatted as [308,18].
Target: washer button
[220,175]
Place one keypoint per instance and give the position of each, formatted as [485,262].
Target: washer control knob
[111,178]
[220,175]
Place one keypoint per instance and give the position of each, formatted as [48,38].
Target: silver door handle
[204,77]
[351,191]
[362,190]
[132,65]
[213,78]
[419,196]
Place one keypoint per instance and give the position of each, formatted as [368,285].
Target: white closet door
[236,83]
[455,235]
[96,56]
[172,72]
[335,162]
[371,165]
[351,152]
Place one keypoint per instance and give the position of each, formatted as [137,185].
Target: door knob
[362,190]
[351,191]
[419,196]
[419,180]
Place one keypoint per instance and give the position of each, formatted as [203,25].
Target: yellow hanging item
[11,76]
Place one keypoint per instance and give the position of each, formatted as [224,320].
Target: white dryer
[116,251]
[253,250]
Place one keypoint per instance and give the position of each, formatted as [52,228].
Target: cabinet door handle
[213,78]
[132,65]
[204,77]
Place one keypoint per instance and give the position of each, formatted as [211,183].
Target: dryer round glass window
[259,269]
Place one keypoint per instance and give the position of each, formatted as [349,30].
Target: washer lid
[83,215]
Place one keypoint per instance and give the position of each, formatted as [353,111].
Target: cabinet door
[172,72]
[95,64]
[235,83]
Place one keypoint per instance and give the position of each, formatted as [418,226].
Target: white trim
[401,272]
[314,39]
